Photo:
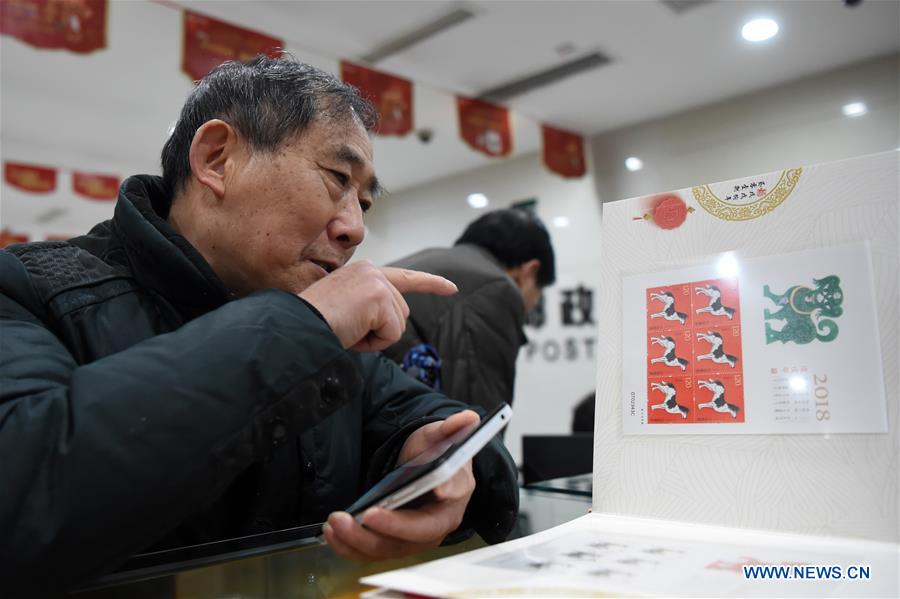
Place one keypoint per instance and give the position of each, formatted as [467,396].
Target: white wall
[790,125]
[795,124]
[560,369]
[109,112]
[100,113]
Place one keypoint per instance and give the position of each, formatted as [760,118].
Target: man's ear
[213,145]
[521,273]
[531,267]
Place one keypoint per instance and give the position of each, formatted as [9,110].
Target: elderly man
[196,367]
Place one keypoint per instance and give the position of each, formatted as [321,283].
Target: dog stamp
[778,344]
[669,308]
[717,350]
[716,302]
[720,398]
[670,353]
[670,400]
[694,337]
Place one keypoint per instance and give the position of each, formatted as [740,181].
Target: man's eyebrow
[346,154]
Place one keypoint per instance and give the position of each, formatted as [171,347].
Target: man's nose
[347,227]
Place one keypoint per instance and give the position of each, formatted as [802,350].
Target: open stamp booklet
[633,556]
[746,428]
[779,344]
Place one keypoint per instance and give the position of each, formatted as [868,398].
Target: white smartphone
[432,467]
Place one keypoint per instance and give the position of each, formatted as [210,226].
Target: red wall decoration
[8,237]
[391,95]
[76,25]
[484,126]
[29,177]
[563,152]
[96,187]
[209,42]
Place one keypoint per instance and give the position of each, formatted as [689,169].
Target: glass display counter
[292,563]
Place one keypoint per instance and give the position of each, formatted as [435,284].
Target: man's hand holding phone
[387,534]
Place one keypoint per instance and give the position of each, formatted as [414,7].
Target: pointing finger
[419,282]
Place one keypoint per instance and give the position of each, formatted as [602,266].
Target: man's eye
[341,177]
[365,205]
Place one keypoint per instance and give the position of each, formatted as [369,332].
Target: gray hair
[268,101]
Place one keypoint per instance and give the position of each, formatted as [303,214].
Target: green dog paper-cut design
[804,312]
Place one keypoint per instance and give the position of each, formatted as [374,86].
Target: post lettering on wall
[562,329]
[577,306]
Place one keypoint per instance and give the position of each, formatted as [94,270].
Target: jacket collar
[160,258]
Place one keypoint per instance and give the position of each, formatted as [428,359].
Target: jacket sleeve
[479,340]
[396,405]
[100,460]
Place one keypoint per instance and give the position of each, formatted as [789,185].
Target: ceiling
[662,61]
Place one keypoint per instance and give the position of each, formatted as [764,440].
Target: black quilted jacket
[477,332]
[141,406]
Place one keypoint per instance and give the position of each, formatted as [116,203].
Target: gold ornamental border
[725,211]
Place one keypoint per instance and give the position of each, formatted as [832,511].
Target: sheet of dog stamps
[614,555]
[777,344]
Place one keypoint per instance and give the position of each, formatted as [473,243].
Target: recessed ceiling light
[855,109]
[759,30]
[477,200]
[634,163]
[561,221]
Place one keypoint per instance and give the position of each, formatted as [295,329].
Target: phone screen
[421,464]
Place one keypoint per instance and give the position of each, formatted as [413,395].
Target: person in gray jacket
[466,344]
[201,366]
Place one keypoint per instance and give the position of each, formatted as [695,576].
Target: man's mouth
[328,267]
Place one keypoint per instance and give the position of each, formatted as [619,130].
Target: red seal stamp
[670,212]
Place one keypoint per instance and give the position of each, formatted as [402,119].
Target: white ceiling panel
[110,110]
